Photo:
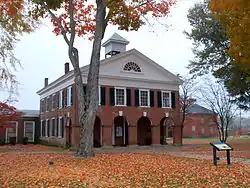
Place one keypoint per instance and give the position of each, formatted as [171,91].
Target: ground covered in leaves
[26,169]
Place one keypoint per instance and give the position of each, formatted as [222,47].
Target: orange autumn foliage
[10,7]
[117,170]
[234,15]
[8,113]
[128,15]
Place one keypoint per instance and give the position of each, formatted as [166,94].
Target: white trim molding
[33,130]
[46,128]
[41,128]
[125,96]
[59,133]
[162,102]
[6,131]
[60,99]
[69,95]
[148,97]
[52,102]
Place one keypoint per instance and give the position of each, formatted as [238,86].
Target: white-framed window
[202,130]
[42,106]
[53,102]
[69,92]
[120,96]
[11,132]
[132,67]
[29,130]
[144,97]
[41,128]
[47,104]
[60,99]
[202,120]
[211,129]
[60,127]
[193,128]
[46,128]
[166,99]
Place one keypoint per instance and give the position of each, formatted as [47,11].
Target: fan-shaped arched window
[132,66]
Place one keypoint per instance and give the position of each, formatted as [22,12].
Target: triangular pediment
[133,64]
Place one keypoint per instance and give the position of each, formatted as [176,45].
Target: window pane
[165,99]
[120,97]
[29,130]
[144,98]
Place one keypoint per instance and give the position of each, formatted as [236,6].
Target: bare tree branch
[63,31]
[215,96]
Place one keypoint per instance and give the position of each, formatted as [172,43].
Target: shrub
[13,140]
[2,142]
[25,140]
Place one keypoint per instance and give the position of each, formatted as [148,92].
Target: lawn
[241,146]
[27,169]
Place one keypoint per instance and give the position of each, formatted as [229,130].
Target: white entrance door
[29,130]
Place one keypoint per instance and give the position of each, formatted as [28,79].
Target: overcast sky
[43,54]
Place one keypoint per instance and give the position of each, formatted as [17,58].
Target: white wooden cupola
[115,45]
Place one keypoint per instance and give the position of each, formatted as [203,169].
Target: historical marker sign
[221,146]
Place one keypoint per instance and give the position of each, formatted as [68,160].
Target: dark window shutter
[173,99]
[62,127]
[48,128]
[103,95]
[58,99]
[128,97]
[159,99]
[72,93]
[136,97]
[152,104]
[63,98]
[57,126]
[50,102]
[112,96]
[66,97]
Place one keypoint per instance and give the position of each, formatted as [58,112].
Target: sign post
[221,146]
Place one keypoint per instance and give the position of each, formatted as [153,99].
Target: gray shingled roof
[30,113]
[197,109]
[116,38]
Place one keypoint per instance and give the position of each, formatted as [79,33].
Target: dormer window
[132,67]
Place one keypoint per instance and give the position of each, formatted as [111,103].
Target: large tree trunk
[88,115]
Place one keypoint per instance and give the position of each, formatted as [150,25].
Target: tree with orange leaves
[90,19]
[234,15]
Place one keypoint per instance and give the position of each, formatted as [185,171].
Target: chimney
[66,68]
[46,82]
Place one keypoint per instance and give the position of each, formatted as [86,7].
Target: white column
[46,128]
[113,134]
[59,128]
[41,134]
[124,132]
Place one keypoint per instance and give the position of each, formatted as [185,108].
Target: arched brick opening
[97,132]
[120,131]
[166,129]
[144,132]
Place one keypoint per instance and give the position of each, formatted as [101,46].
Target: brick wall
[198,125]
[107,112]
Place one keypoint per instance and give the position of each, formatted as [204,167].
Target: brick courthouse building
[139,101]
